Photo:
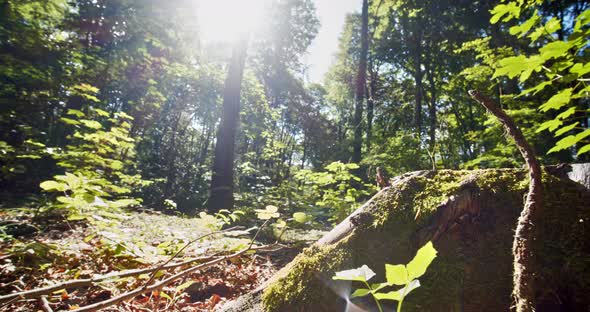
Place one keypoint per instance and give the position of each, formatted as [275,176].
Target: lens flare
[229,20]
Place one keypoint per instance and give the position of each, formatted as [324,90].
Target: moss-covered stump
[470,217]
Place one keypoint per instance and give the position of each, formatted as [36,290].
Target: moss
[473,270]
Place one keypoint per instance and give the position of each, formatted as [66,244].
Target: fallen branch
[184,247]
[524,290]
[38,292]
[136,292]
[45,304]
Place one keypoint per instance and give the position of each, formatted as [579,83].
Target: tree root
[523,280]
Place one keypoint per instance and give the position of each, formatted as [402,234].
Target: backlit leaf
[554,49]
[396,274]
[360,293]
[558,100]
[566,129]
[584,149]
[417,267]
[362,274]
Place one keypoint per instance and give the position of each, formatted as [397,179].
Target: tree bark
[222,182]
[361,82]
[371,102]
[432,109]
[524,261]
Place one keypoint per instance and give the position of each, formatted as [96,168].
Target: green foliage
[400,275]
[99,160]
[336,189]
[562,65]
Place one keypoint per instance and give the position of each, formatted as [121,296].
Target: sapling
[396,275]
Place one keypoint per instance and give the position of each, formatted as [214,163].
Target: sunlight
[228,20]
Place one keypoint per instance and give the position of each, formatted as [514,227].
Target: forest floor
[57,251]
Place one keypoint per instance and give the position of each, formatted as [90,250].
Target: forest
[151,161]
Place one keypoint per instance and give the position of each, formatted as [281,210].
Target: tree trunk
[432,108]
[418,95]
[222,182]
[361,81]
[371,103]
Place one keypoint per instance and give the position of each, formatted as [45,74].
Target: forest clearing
[294,155]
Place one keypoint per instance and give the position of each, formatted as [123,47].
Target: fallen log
[469,215]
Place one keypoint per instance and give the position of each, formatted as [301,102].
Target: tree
[361,84]
[222,183]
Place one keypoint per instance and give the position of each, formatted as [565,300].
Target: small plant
[398,275]
[336,188]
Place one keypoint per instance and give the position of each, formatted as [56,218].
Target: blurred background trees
[148,59]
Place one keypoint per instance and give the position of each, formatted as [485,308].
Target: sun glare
[228,20]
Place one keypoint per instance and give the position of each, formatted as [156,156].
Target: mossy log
[470,216]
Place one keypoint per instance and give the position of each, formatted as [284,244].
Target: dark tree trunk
[432,108]
[418,80]
[361,81]
[371,103]
[222,186]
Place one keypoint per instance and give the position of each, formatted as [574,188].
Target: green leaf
[397,295]
[580,69]
[550,27]
[569,141]
[280,224]
[511,10]
[268,213]
[362,274]
[101,112]
[555,49]
[69,121]
[510,66]
[417,267]
[536,89]
[566,129]
[392,295]
[582,20]
[551,125]
[378,286]
[584,149]
[570,111]
[92,124]
[558,100]
[184,286]
[300,217]
[75,112]
[360,293]
[523,28]
[53,185]
[396,274]
[165,295]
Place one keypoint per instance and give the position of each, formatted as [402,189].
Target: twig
[184,247]
[258,232]
[35,293]
[524,278]
[45,304]
[131,294]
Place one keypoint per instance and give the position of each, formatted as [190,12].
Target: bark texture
[361,84]
[522,248]
[222,182]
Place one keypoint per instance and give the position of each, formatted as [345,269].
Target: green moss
[473,270]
